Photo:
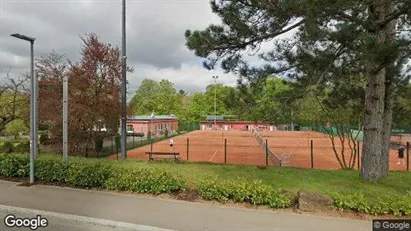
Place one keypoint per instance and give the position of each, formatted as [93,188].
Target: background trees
[14,102]
[330,41]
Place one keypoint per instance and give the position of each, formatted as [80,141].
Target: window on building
[129,128]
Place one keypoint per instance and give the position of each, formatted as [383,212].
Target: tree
[159,97]
[144,99]
[14,98]
[199,107]
[332,39]
[167,98]
[15,127]
[402,108]
[94,92]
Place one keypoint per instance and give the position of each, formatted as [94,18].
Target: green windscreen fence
[356,133]
[188,127]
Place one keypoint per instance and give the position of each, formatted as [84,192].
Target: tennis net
[274,159]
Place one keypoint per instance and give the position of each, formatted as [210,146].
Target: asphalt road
[168,214]
[56,224]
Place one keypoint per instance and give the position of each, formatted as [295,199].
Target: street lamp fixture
[215,77]
[33,105]
[24,37]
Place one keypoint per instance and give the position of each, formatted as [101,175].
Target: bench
[175,154]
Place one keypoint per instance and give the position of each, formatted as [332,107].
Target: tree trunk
[371,169]
[388,101]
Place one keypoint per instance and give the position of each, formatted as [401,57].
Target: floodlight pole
[123,87]
[33,105]
[215,100]
[65,117]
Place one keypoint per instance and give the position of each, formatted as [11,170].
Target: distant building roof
[156,117]
[217,118]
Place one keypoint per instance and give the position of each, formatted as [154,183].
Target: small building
[156,124]
[218,123]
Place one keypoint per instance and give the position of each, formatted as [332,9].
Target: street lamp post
[124,86]
[33,105]
[215,77]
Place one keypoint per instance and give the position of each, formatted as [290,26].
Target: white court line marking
[213,156]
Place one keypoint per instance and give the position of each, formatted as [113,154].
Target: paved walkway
[57,224]
[168,214]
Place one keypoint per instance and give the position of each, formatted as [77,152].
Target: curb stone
[81,219]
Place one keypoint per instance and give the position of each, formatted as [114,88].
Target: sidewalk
[168,214]
[57,224]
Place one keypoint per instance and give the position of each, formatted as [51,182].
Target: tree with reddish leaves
[94,93]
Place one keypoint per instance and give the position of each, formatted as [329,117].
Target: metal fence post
[358,154]
[408,156]
[312,154]
[225,151]
[188,145]
[266,152]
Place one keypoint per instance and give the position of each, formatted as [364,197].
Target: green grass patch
[274,187]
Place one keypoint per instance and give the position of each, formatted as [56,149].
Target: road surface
[168,214]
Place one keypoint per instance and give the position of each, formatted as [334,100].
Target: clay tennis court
[208,146]
[243,148]
[297,145]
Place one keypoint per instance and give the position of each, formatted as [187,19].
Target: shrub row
[153,181]
[398,206]
[21,146]
[100,174]
[241,190]
[92,174]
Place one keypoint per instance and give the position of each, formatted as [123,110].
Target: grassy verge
[274,187]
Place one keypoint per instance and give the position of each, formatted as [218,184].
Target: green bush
[14,165]
[241,190]
[52,170]
[88,175]
[210,189]
[153,181]
[148,135]
[21,146]
[166,133]
[6,147]
[398,206]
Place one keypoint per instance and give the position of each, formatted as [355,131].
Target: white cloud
[189,77]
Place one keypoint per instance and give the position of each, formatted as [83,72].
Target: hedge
[92,174]
[144,180]
[398,206]
[241,190]
[97,173]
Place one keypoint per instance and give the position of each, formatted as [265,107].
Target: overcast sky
[155,35]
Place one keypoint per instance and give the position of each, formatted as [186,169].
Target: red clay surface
[208,146]
[297,145]
[243,148]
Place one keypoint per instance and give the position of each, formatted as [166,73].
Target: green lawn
[292,179]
